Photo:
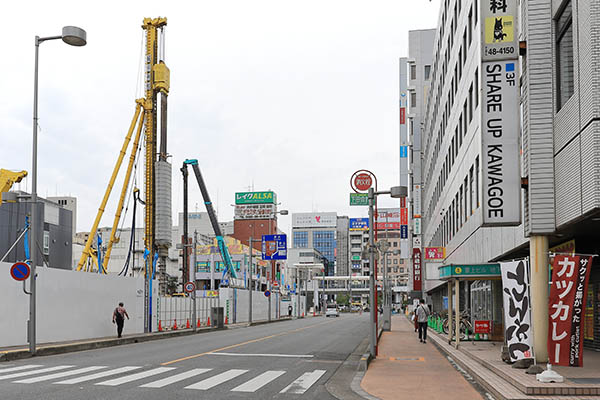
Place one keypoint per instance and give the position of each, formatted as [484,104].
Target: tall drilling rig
[157,177]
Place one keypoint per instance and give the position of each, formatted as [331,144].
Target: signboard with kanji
[255,198]
[469,271]
[517,314]
[435,253]
[274,247]
[417,281]
[359,199]
[483,326]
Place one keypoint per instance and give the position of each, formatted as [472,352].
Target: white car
[332,310]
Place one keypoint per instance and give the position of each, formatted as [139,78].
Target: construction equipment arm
[9,178]
[213,220]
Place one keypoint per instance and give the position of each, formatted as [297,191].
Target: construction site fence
[177,312]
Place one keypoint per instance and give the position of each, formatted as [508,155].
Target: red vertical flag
[417,281]
[568,292]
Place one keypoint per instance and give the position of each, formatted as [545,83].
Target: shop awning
[469,271]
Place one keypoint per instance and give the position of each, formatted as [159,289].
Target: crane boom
[9,178]
[213,220]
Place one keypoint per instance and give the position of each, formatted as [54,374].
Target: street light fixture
[73,36]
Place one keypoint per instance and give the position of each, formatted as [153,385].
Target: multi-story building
[342,262]
[358,237]
[509,144]
[317,231]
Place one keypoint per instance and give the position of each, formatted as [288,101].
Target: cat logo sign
[499,29]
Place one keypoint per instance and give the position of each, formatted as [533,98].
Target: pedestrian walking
[422,312]
[119,318]
[290,310]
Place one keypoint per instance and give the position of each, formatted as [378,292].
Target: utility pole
[250,268]
[372,293]
[193,279]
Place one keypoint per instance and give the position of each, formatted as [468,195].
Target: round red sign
[363,181]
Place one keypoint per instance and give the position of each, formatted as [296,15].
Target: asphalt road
[285,360]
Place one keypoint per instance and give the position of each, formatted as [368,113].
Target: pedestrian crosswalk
[243,380]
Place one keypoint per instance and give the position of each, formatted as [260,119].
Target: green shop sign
[255,198]
[359,199]
[475,271]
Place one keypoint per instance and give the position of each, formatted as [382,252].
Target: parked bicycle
[465,326]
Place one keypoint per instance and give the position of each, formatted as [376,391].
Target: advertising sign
[402,115]
[482,326]
[416,241]
[568,292]
[254,211]
[274,247]
[403,151]
[517,315]
[388,218]
[314,220]
[359,199]
[499,36]
[417,226]
[404,216]
[361,181]
[501,179]
[416,200]
[403,231]
[417,270]
[358,224]
[435,253]
[255,198]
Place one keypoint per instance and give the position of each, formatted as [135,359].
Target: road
[285,360]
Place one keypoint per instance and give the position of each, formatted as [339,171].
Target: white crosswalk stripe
[254,384]
[22,367]
[217,379]
[135,377]
[37,371]
[176,378]
[302,384]
[59,375]
[99,375]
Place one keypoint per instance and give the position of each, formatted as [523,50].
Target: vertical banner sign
[416,198]
[402,115]
[517,313]
[566,311]
[404,216]
[417,286]
[403,151]
[500,104]
[403,231]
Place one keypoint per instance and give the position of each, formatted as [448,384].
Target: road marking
[97,376]
[59,375]
[3,370]
[254,384]
[217,379]
[176,378]
[37,371]
[134,377]
[302,384]
[262,355]
[243,343]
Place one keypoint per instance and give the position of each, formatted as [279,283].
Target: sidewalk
[408,369]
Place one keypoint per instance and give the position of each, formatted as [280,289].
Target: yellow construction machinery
[9,178]
[157,170]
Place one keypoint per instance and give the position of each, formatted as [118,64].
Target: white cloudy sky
[292,96]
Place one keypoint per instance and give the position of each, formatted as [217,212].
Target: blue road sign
[267,293]
[274,247]
[20,271]
[403,231]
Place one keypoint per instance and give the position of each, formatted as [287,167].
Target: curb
[266,321]
[99,344]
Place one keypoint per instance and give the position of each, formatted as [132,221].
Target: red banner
[568,292]
[402,202]
[392,226]
[404,216]
[417,269]
[483,327]
[435,253]
[402,115]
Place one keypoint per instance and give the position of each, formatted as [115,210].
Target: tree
[342,299]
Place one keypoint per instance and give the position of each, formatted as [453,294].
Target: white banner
[501,176]
[517,310]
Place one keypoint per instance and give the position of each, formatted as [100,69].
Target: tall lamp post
[73,36]
[395,192]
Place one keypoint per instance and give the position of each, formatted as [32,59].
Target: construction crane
[229,271]
[157,180]
[9,178]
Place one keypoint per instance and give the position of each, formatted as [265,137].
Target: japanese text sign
[417,282]
[567,298]
[517,313]
[483,326]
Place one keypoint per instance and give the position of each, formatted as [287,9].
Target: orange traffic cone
[175,325]
[159,326]
[208,322]
[199,325]
[187,324]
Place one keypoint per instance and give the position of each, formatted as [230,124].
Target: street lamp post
[73,36]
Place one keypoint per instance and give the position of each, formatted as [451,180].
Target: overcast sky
[289,96]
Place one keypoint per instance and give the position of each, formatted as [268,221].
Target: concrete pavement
[408,369]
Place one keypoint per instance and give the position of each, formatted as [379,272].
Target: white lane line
[37,371]
[254,384]
[13,369]
[59,375]
[176,378]
[96,376]
[302,384]
[262,355]
[135,377]
[217,379]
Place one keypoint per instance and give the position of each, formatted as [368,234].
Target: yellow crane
[9,178]
[156,81]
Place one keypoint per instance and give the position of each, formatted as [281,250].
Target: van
[332,310]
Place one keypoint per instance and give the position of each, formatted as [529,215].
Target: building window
[46,250]
[471,190]
[471,103]
[413,99]
[476,88]
[300,240]
[470,25]
[477,182]
[564,52]
[427,71]
[413,71]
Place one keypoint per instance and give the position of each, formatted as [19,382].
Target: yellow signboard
[499,29]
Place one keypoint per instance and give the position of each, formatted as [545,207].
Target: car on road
[332,310]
